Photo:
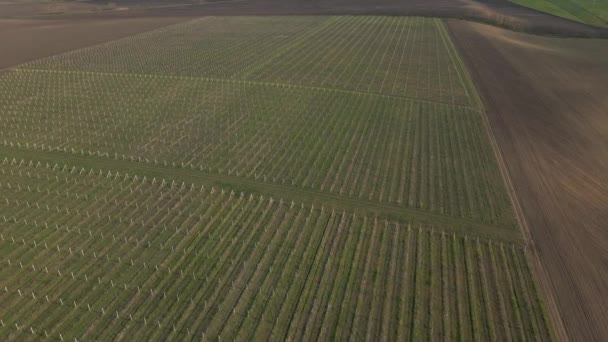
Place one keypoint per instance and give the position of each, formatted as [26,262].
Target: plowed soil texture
[23,40]
[547,107]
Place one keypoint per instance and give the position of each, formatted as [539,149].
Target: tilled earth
[24,40]
[546,102]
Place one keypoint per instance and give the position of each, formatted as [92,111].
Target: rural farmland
[317,177]
[227,126]
[587,11]
[95,255]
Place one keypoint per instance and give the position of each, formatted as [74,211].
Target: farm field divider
[95,254]
[460,226]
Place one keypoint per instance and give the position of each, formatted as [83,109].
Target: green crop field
[267,178]
[593,12]
[97,255]
[412,153]
[414,57]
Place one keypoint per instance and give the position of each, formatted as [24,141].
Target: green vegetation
[413,57]
[334,141]
[251,178]
[593,12]
[377,145]
[92,254]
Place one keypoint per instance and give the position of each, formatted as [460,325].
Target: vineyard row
[95,255]
[414,57]
[411,153]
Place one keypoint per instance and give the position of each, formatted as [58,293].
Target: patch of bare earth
[547,105]
[23,40]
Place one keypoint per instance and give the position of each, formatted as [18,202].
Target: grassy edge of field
[546,297]
[565,9]
[547,7]
[463,73]
[460,226]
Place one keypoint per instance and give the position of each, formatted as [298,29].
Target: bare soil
[26,8]
[23,40]
[547,105]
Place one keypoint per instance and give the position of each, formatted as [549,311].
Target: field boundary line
[540,274]
[250,82]
[532,254]
[465,79]
[357,205]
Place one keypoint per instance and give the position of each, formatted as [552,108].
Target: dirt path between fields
[546,102]
[460,226]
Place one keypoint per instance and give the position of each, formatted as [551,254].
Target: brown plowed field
[547,106]
[24,40]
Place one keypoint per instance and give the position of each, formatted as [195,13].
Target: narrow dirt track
[546,102]
[356,205]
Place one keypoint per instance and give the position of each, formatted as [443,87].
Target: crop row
[390,55]
[409,56]
[417,154]
[213,47]
[97,255]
